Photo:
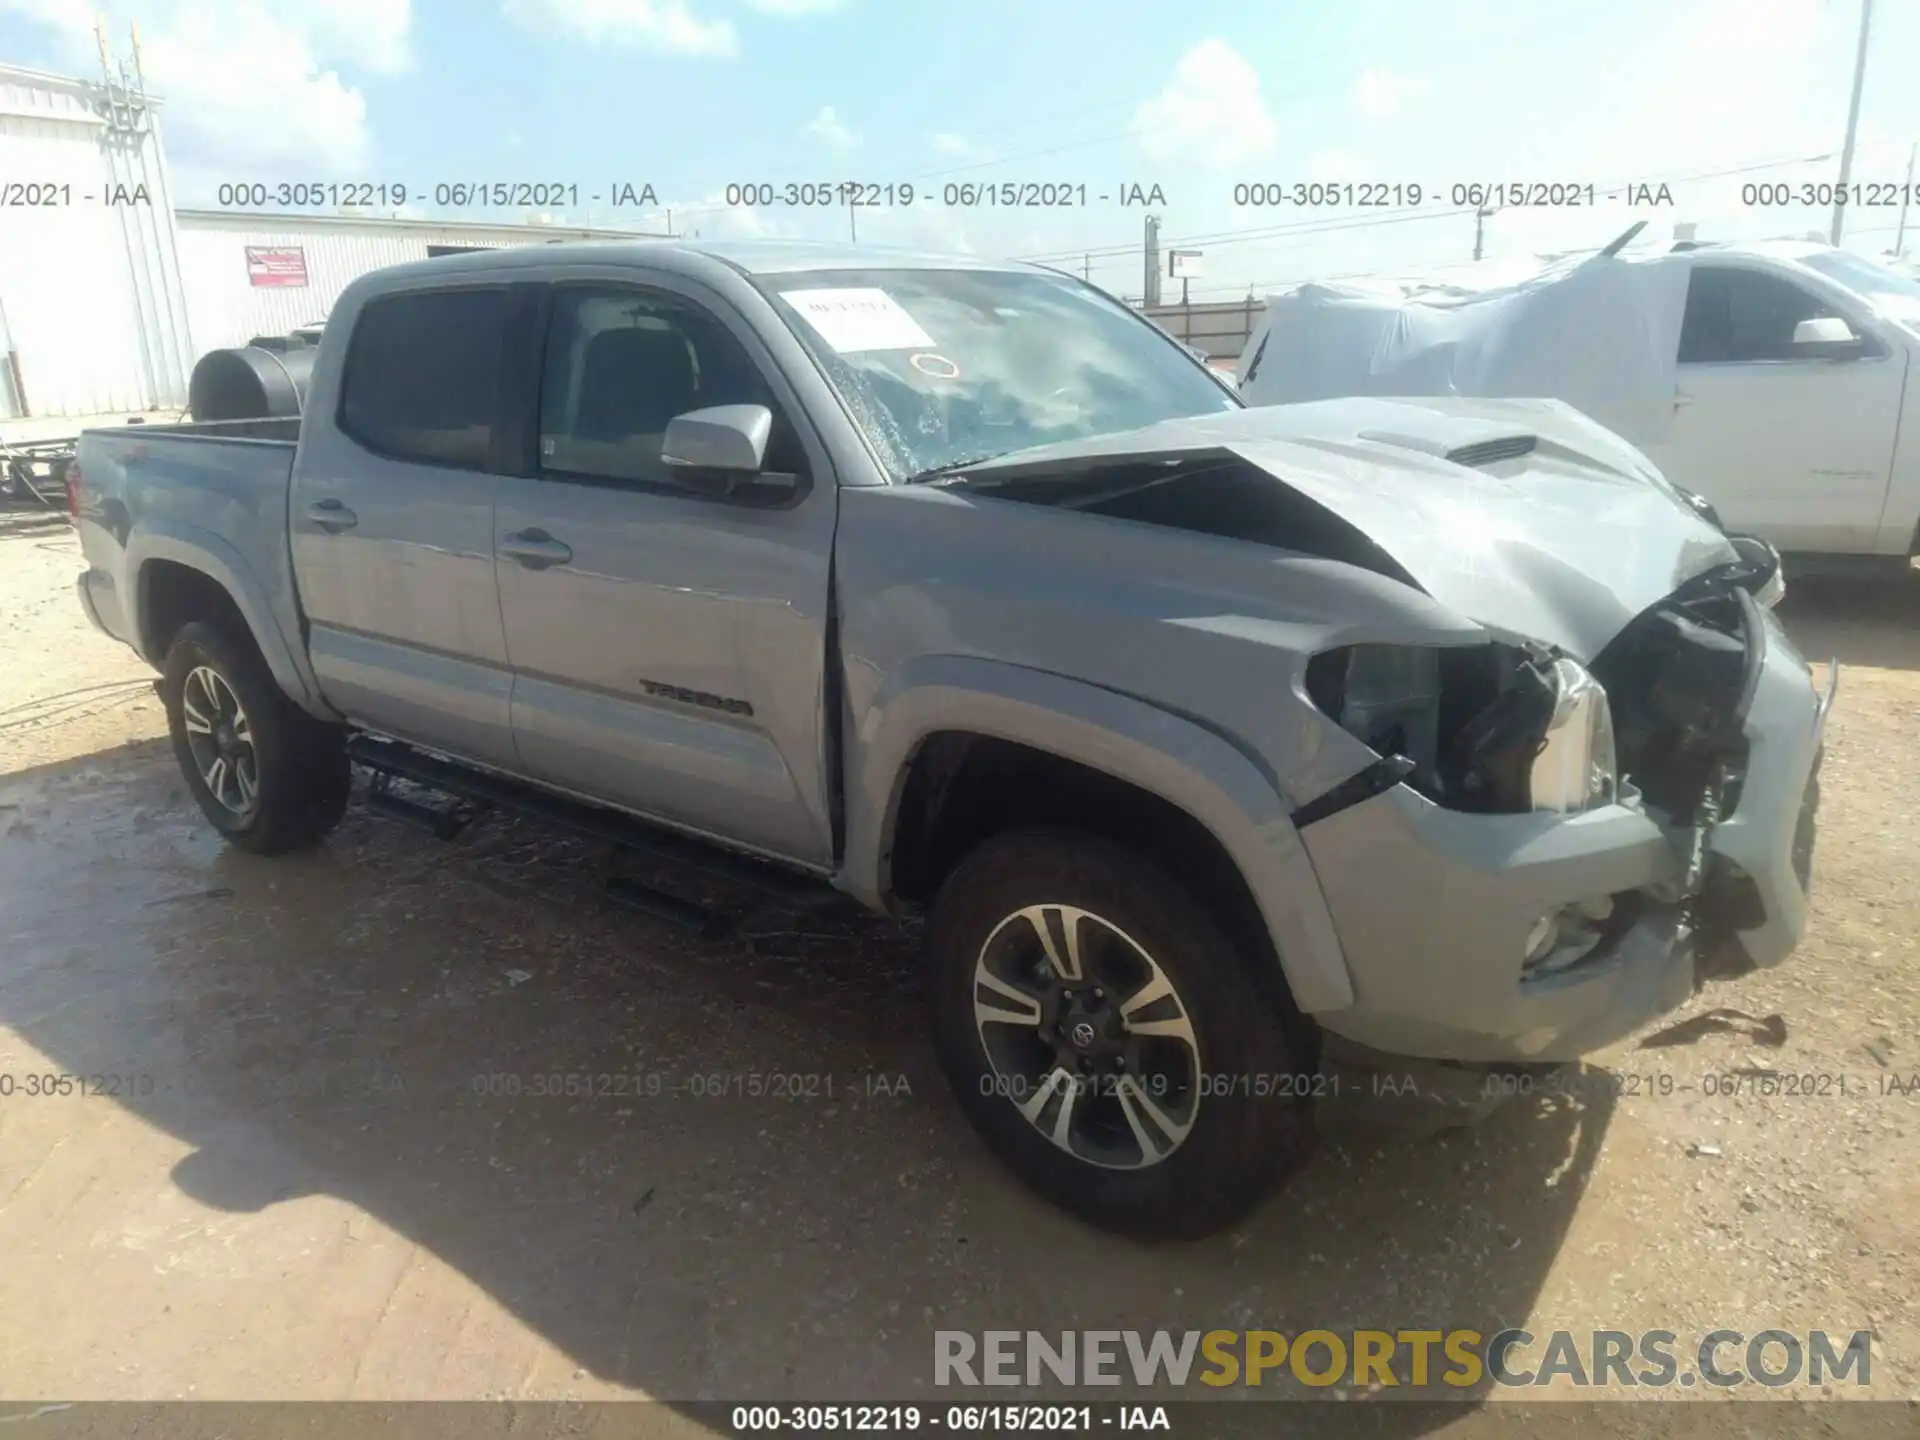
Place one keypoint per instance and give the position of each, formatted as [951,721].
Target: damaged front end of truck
[1656,723]
[1548,836]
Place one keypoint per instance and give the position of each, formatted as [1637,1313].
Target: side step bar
[391,758]
[443,822]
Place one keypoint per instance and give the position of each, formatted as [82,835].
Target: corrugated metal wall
[225,308]
[90,290]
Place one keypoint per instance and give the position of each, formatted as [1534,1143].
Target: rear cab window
[422,379]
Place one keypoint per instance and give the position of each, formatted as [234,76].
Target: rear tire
[1187,1110]
[266,774]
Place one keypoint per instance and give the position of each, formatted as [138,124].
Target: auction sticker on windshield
[857,319]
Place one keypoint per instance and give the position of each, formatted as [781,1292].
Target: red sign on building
[277,265]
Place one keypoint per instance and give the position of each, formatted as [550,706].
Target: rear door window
[423,376]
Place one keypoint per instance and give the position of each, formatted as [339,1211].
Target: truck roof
[750,257]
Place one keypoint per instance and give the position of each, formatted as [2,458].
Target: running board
[702,920]
[405,762]
[443,822]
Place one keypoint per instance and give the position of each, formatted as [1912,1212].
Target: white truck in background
[1776,379]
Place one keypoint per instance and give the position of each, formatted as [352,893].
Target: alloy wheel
[1087,1036]
[220,737]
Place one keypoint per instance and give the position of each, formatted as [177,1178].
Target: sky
[692,96]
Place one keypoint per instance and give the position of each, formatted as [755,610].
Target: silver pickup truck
[1237,758]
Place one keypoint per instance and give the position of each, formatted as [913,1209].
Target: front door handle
[331,516]
[535,549]
[1681,398]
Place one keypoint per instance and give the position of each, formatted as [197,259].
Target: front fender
[219,560]
[1141,744]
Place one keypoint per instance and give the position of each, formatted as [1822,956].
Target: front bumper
[1434,907]
[1766,845]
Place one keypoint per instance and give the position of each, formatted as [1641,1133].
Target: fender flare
[1141,744]
[222,563]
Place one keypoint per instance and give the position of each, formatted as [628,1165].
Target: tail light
[72,479]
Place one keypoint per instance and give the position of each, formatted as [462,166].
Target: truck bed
[284,428]
[210,496]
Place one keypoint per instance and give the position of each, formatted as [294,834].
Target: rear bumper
[101,601]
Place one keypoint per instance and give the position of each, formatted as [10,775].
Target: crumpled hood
[1565,543]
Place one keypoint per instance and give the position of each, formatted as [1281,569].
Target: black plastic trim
[1376,779]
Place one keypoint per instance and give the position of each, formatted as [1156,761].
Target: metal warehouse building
[108,294]
[247,275]
[92,316]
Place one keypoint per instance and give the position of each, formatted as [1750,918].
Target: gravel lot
[304,1189]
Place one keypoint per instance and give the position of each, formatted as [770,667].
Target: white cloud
[1381,94]
[59,14]
[1337,166]
[1211,111]
[1708,89]
[957,147]
[251,89]
[373,33]
[797,7]
[832,131]
[667,26]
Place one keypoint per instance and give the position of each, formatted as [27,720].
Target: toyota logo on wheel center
[1081,1034]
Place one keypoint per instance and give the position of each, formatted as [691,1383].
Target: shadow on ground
[372,1021]
[1873,622]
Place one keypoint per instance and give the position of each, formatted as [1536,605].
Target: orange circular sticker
[937,367]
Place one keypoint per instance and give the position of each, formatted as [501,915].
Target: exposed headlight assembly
[1484,728]
[1574,769]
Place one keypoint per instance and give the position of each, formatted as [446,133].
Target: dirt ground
[310,1182]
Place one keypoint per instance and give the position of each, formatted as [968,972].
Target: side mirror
[722,451]
[1827,335]
[727,438]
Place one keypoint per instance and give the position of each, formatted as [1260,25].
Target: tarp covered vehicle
[1773,379]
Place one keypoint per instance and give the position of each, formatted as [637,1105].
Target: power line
[1252,285]
[984,164]
[1399,216]
[1320,226]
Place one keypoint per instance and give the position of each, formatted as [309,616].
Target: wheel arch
[1116,745]
[178,579]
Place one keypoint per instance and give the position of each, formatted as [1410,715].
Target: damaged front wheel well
[964,788]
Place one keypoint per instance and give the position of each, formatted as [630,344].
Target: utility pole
[1481,215]
[853,222]
[1151,291]
[1086,262]
[1853,121]
[1900,232]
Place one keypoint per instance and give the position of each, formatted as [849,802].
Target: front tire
[1107,1042]
[266,774]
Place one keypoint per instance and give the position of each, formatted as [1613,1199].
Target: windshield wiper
[953,467]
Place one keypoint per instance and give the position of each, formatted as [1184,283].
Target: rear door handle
[1680,399]
[331,516]
[535,549]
